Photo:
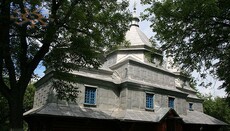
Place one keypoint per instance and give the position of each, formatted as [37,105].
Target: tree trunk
[16,112]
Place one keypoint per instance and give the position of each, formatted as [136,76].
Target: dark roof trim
[130,60]
[136,48]
[195,100]
[154,89]
[79,78]
[169,113]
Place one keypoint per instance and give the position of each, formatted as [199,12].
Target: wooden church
[134,90]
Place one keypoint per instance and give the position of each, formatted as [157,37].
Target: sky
[145,28]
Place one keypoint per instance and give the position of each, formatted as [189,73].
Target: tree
[68,34]
[218,108]
[195,33]
[4,108]
[4,121]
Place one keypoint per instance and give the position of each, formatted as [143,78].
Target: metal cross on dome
[134,6]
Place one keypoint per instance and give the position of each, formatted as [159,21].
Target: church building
[134,90]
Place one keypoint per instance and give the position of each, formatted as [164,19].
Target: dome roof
[134,35]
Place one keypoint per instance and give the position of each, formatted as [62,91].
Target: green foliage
[4,108]
[195,32]
[217,108]
[4,114]
[65,34]
[29,98]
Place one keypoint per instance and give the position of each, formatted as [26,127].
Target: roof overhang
[157,116]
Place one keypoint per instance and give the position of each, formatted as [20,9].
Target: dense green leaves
[4,108]
[92,27]
[195,32]
[4,114]
[217,108]
[65,34]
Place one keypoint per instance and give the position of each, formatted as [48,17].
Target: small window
[171,102]
[90,95]
[191,106]
[149,101]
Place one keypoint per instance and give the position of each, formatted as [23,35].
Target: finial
[134,6]
[135,18]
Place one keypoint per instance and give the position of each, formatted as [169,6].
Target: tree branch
[69,12]
[221,17]
[222,23]
[48,39]
[22,7]
[31,66]
[79,30]
[4,90]
[5,27]
[23,49]
[23,42]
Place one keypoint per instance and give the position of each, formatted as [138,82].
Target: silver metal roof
[53,109]
[136,37]
[195,117]
[144,116]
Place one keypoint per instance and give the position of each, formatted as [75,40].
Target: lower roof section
[53,109]
[195,117]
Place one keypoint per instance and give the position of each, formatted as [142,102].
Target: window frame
[95,96]
[153,102]
[190,106]
[169,105]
